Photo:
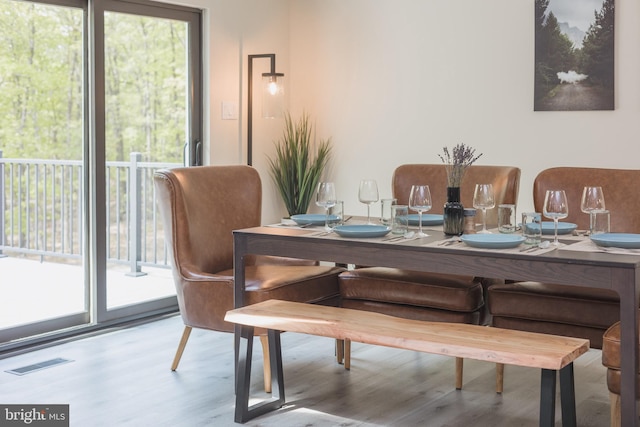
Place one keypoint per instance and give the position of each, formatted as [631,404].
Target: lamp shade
[272,95]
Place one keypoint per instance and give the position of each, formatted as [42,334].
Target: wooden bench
[548,352]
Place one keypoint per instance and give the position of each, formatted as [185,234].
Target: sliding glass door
[147,92]
[87,117]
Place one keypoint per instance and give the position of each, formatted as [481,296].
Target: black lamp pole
[272,73]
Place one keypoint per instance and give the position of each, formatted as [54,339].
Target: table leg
[239,251]
[627,285]
[547,398]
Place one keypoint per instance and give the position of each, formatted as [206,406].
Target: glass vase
[453,213]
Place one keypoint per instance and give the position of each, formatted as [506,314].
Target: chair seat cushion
[571,305]
[611,347]
[416,313]
[614,378]
[611,358]
[411,288]
[594,335]
[201,296]
[311,284]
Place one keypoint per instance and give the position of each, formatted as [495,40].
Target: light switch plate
[229,111]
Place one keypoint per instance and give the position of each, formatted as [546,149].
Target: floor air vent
[38,366]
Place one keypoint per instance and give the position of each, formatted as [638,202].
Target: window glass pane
[41,81]
[41,154]
[146,126]
[145,87]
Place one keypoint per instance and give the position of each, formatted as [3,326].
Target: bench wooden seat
[548,352]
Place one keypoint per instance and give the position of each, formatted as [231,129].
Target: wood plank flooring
[123,378]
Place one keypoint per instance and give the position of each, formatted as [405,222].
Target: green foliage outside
[43,85]
[43,115]
[40,81]
[146,75]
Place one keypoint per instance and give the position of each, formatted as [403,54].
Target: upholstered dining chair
[200,207]
[569,310]
[429,296]
[611,359]
[505,180]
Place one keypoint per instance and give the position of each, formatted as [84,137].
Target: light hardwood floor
[123,378]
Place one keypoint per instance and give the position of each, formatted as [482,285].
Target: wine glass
[483,199]
[326,198]
[592,201]
[368,194]
[555,207]
[420,201]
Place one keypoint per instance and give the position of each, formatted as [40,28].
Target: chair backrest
[618,186]
[200,207]
[505,180]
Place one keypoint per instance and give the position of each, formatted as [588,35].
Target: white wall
[392,82]
[239,29]
[235,29]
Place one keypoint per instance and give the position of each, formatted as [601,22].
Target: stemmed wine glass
[555,207]
[483,199]
[420,201]
[368,194]
[326,198]
[592,201]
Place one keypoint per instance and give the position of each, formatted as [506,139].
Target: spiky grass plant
[298,164]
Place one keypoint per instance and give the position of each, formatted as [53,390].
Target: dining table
[576,262]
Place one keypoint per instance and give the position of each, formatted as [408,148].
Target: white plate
[362,230]
[313,219]
[617,240]
[492,241]
[563,227]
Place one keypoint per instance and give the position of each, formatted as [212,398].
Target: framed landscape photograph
[574,55]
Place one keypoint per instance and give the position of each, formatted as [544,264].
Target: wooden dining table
[616,271]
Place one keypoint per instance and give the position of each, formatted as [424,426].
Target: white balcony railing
[41,210]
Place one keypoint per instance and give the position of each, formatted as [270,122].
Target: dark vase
[453,213]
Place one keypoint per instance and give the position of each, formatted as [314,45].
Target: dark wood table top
[557,266]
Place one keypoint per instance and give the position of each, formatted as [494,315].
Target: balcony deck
[33,291]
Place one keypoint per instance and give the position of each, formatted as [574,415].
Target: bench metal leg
[568,396]
[548,398]
[275,351]
[243,411]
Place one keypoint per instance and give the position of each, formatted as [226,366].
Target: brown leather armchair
[200,207]
[611,359]
[429,296]
[568,310]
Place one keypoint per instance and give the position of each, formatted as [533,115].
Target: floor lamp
[272,97]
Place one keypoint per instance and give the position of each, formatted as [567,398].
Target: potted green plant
[298,164]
